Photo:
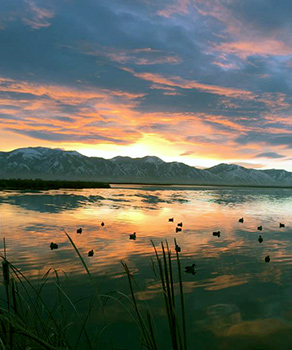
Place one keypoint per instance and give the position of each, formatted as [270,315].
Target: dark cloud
[176,54]
[269,155]
[56,136]
[265,138]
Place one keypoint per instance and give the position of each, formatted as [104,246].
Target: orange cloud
[112,120]
[98,116]
[179,82]
[66,94]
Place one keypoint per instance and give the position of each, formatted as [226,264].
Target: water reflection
[233,290]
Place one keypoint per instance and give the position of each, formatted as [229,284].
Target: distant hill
[53,164]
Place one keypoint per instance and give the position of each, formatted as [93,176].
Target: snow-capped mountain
[237,175]
[47,163]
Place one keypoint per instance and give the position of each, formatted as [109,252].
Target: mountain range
[52,164]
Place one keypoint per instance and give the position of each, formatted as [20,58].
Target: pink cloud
[263,47]
[226,65]
[241,37]
[140,56]
[37,17]
[178,7]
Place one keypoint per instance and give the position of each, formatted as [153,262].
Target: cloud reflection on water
[229,267]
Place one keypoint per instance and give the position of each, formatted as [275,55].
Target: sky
[196,81]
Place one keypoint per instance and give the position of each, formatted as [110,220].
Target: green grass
[28,320]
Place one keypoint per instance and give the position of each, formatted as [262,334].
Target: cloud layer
[204,79]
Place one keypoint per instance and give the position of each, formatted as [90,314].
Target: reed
[29,321]
[165,271]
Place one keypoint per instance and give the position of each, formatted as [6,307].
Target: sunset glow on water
[233,290]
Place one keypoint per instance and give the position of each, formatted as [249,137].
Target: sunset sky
[196,81]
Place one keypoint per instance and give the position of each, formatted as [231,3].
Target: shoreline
[38,184]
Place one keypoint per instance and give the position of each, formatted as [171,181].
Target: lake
[234,300]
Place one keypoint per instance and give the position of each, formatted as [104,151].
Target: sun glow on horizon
[148,145]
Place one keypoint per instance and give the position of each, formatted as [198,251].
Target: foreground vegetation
[28,321]
[38,184]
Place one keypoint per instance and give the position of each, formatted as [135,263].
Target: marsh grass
[28,320]
[164,270]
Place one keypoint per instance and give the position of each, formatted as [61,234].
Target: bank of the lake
[39,184]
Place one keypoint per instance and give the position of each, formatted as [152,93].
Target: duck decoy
[267,258]
[79,230]
[260,228]
[133,236]
[177,248]
[216,233]
[178,229]
[281,225]
[102,224]
[179,224]
[170,220]
[241,220]
[260,239]
[190,269]
[53,246]
[90,253]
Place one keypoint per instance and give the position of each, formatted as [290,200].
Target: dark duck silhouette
[190,269]
[132,236]
[79,230]
[267,258]
[178,229]
[177,248]
[260,228]
[216,233]
[260,239]
[170,219]
[90,253]
[281,225]
[102,224]
[180,224]
[241,220]
[53,246]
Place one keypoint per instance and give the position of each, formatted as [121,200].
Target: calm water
[235,299]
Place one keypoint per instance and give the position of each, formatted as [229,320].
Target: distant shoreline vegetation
[198,185]
[38,184]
